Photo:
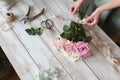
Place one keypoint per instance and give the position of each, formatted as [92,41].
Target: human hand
[75,6]
[93,19]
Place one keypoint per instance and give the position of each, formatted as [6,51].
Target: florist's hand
[93,19]
[75,6]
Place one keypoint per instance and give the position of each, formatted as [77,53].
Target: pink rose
[83,49]
[59,43]
[68,46]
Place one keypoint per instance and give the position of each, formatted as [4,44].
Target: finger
[93,23]
[71,9]
[74,11]
[89,20]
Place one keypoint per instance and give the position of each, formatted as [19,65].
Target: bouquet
[73,41]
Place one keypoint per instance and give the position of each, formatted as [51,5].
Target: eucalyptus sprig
[34,31]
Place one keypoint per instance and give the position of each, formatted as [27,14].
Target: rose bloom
[68,46]
[59,43]
[83,49]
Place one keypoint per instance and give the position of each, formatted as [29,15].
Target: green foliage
[66,28]
[33,31]
[82,11]
[75,33]
[50,74]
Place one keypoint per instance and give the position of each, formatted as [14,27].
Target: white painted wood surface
[30,55]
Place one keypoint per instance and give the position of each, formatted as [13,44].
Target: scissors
[47,24]
[28,18]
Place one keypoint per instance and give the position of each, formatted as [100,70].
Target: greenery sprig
[33,31]
[75,31]
[82,11]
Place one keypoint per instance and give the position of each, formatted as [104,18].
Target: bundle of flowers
[73,51]
[73,42]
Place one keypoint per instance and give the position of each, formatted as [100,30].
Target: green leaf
[30,32]
[62,35]
[85,9]
[72,24]
[38,31]
[82,11]
[66,35]
[66,28]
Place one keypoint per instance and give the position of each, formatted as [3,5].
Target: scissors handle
[28,18]
[47,24]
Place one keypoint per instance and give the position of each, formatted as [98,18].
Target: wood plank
[99,57]
[96,29]
[18,56]
[102,38]
[34,45]
[60,56]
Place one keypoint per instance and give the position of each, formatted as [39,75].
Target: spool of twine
[10,17]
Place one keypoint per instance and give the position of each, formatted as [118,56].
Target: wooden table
[30,55]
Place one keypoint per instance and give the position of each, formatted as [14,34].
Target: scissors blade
[26,18]
[27,14]
[22,19]
[42,11]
